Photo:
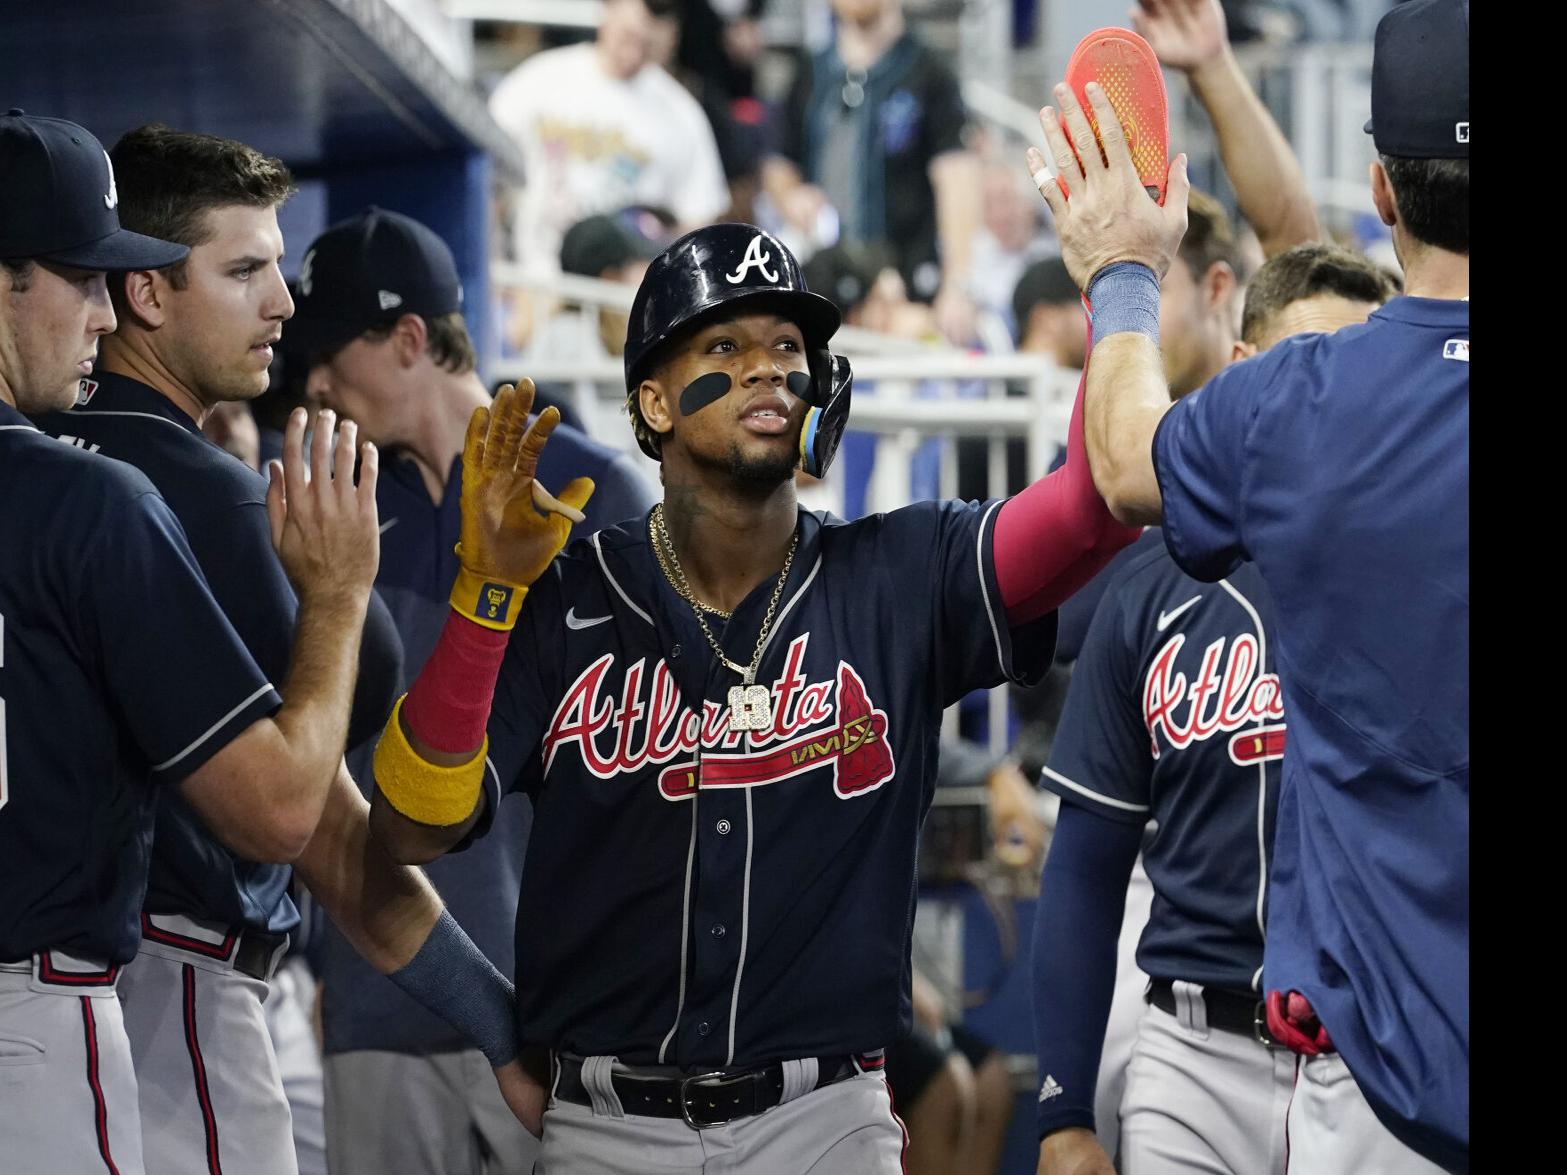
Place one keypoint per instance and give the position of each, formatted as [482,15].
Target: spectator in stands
[602,126]
[720,45]
[609,249]
[1012,235]
[873,127]
[1048,311]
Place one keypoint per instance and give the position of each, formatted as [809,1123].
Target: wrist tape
[1125,297]
[451,977]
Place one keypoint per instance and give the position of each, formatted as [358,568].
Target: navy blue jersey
[766,913]
[118,672]
[360,1008]
[1340,465]
[221,504]
[1175,714]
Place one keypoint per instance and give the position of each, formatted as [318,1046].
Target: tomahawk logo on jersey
[715,876]
[1175,714]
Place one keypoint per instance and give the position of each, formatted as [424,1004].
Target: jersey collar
[108,394]
[11,418]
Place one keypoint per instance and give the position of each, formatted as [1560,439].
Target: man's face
[49,333]
[360,382]
[752,427]
[1195,331]
[626,36]
[219,329]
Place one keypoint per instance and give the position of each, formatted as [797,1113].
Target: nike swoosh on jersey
[1166,618]
[573,621]
[388,524]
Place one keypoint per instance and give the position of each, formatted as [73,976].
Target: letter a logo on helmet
[756,257]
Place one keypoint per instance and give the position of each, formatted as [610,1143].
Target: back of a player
[1371,579]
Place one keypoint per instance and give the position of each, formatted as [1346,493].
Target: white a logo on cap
[388,299]
[754,256]
[112,200]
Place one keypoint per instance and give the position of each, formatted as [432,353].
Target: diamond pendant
[750,707]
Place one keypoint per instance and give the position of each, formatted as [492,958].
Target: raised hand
[1186,34]
[505,537]
[1109,216]
[324,526]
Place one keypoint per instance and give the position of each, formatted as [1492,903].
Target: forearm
[1257,158]
[1082,896]
[1124,401]
[1056,535]
[958,180]
[385,909]
[317,701]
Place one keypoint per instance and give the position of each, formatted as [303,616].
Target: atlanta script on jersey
[1175,714]
[695,895]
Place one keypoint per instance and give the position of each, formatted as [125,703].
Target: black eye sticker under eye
[799,383]
[702,391]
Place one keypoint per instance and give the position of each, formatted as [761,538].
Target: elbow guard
[420,790]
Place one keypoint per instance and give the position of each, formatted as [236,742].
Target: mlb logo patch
[84,391]
[1456,349]
[1463,132]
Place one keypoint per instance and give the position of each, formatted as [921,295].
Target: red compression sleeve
[448,705]
[1057,534]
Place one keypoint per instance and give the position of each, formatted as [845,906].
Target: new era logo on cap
[1463,132]
[388,300]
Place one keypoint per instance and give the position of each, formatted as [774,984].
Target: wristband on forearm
[1125,297]
[451,977]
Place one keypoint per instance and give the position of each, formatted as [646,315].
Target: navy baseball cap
[1420,81]
[602,242]
[58,200]
[366,271]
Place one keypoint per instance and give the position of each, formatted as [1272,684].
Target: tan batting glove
[512,528]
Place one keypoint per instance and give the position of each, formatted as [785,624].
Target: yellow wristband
[417,788]
[492,603]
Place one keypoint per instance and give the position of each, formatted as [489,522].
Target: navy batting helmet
[721,268]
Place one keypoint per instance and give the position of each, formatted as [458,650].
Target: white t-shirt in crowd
[595,144]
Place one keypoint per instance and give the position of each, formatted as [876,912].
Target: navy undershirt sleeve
[1082,899]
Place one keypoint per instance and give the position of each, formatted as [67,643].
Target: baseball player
[406,374]
[215,923]
[120,677]
[1175,714]
[1338,464]
[726,713]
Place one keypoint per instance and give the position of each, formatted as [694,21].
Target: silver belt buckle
[685,1099]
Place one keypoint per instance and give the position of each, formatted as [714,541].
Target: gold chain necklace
[750,705]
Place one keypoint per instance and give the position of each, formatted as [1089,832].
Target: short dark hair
[1305,272]
[1044,281]
[446,340]
[1209,236]
[20,273]
[1433,200]
[169,180]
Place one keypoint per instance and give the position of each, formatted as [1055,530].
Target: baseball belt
[1233,1011]
[707,1099]
[250,952]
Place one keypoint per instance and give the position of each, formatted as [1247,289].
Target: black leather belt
[255,953]
[705,1099]
[1233,1011]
